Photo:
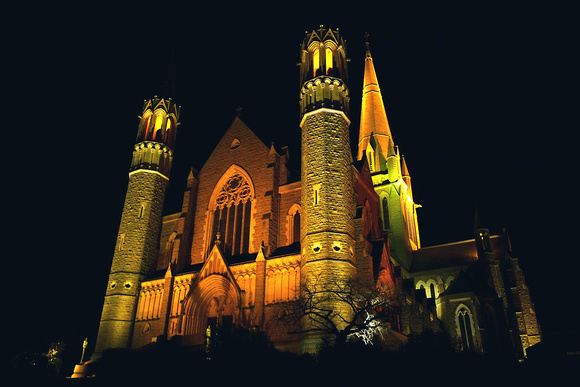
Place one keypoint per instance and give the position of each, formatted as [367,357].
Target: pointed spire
[261,253]
[406,176]
[393,164]
[404,169]
[169,272]
[373,115]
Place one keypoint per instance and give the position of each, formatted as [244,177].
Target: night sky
[481,100]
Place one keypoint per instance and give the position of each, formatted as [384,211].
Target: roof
[292,249]
[440,256]
[453,254]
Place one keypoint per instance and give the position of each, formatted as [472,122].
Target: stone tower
[328,202]
[137,246]
[391,178]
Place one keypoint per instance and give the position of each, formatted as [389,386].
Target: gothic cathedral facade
[250,233]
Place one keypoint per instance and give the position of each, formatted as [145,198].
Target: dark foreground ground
[258,364]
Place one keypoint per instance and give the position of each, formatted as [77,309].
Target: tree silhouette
[342,310]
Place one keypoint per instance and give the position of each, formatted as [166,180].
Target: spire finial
[367,44]
[239,111]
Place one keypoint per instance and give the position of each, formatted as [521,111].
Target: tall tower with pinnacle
[391,178]
[328,202]
[138,238]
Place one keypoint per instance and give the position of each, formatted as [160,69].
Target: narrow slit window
[316,194]
[121,242]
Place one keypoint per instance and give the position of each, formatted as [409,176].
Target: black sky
[481,100]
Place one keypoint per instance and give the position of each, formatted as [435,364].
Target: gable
[215,264]
[237,144]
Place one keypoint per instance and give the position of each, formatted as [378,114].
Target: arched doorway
[214,303]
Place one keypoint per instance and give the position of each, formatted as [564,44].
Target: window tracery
[230,214]
[464,322]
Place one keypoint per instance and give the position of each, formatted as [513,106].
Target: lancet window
[465,328]
[315,61]
[294,224]
[328,60]
[230,214]
[386,223]
[157,127]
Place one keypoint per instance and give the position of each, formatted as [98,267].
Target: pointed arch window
[144,126]
[159,117]
[169,128]
[386,223]
[315,61]
[294,223]
[328,61]
[230,213]
[464,322]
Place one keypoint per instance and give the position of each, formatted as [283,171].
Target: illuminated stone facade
[250,234]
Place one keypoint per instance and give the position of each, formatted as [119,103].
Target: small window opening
[121,242]
[316,194]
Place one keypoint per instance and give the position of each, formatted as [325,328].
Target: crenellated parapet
[152,156]
[324,92]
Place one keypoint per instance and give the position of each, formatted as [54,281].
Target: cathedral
[252,233]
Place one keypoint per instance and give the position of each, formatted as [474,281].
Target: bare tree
[341,310]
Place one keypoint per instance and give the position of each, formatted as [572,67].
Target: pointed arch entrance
[213,301]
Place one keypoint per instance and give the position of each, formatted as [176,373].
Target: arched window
[294,223]
[230,213]
[328,60]
[157,133]
[296,227]
[315,61]
[464,323]
[169,128]
[386,223]
[144,126]
[421,286]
